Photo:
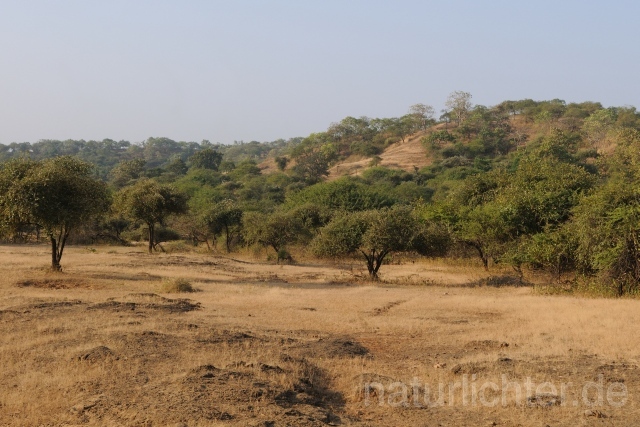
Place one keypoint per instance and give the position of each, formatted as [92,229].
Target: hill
[406,156]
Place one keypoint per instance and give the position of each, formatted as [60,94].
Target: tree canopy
[376,233]
[151,203]
[56,196]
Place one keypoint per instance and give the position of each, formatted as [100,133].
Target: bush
[455,161]
[365,148]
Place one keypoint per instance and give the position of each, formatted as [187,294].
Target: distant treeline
[156,152]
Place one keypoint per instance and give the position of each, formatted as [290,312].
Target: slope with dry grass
[406,155]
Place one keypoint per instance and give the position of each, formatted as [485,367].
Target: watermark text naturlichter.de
[471,392]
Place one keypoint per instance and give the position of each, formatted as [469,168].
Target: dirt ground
[432,344]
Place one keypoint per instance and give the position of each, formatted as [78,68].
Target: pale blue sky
[262,70]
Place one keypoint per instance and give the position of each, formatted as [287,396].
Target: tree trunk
[277,249]
[55,261]
[57,247]
[378,259]
[228,239]
[373,274]
[483,256]
[374,262]
[151,237]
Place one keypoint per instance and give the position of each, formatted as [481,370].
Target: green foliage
[312,216]
[341,194]
[281,162]
[56,195]
[275,230]
[158,152]
[598,125]
[559,200]
[423,115]
[553,250]
[255,150]
[399,186]
[224,217]
[376,233]
[494,211]
[606,225]
[151,203]
[313,157]
[177,167]
[245,170]
[207,158]
[438,138]
[126,172]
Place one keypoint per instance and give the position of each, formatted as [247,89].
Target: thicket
[534,185]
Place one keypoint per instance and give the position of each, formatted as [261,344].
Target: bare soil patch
[406,155]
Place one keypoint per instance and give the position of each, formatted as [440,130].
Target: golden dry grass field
[258,344]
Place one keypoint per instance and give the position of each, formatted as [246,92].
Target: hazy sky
[262,70]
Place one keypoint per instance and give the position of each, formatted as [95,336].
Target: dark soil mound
[97,354]
[337,347]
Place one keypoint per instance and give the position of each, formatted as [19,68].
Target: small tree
[376,233]
[151,203]
[424,114]
[275,230]
[458,105]
[313,157]
[282,162]
[56,195]
[225,217]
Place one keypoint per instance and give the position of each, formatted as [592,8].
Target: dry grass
[291,344]
[177,285]
[401,155]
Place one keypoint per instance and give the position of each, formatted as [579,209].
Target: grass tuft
[177,285]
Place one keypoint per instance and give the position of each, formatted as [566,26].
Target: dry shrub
[177,285]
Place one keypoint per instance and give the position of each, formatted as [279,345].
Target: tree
[459,104]
[344,193]
[423,113]
[151,203]
[281,162]
[494,211]
[56,195]
[405,126]
[225,217]
[598,124]
[437,139]
[207,158]
[127,171]
[275,230]
[376,233]
[312,159]
[606,225]
[177,166]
